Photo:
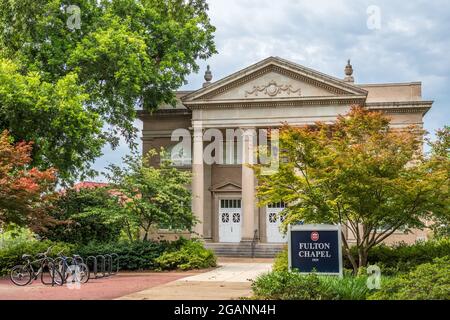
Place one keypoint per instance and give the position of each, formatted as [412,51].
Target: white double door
[230,220]
[273,223]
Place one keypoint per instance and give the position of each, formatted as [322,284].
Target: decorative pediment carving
[272,89]
[225,187]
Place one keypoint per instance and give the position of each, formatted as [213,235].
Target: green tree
[85,215]
[124,53]
[152,197]
[439,156]
[65,135]
[358,172]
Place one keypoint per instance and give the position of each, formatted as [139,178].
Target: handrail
[255,239]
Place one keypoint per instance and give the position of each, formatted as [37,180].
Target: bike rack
[94,265]
[109,263]
[116,257]
[102,265]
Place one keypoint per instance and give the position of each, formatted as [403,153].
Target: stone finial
[208,77]
[349,72]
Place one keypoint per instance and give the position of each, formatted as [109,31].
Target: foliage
[25,192]
[281,262]
[360,173]
[403,257]
[284,285]
[134,255]
[429,281]
[85,215]
[440,154]
[191,255]
[153,197]
[11,255]
[65,134]
[123,54]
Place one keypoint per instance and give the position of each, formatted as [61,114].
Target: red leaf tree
[25,192]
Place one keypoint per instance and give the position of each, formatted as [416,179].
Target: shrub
[283,285]
[429,281]
[135,255]
[85,215]
[281,261]
[191,255]
[403,257]
[12,255]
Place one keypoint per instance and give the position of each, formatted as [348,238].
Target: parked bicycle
[72,267]
[21,275]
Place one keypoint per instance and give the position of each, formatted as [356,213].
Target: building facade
[264,95]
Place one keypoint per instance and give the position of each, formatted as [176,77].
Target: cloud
[412,43]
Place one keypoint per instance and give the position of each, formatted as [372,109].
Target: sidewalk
[231,280]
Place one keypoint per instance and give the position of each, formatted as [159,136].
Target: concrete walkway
[231,280]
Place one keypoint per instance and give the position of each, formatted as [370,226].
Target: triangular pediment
[274,78]
[225,187]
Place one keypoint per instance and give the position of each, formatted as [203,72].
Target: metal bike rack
[115,256]
[94,265]
[109,263]
[102,265]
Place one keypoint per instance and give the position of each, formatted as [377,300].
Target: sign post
[315,248]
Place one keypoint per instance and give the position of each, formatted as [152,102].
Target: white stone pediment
[273,79]
[226,187]
[273,85]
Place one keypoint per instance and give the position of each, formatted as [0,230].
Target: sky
[387,41]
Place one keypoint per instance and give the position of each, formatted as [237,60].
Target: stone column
[248,184]
[198,178]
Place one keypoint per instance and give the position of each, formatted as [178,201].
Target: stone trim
[280,66]
[282,102]
[401,107]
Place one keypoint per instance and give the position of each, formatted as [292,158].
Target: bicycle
[77,270]
[21,275]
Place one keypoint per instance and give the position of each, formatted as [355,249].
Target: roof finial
[208,77]
[349,72]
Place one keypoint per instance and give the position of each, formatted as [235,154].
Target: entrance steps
[245,249]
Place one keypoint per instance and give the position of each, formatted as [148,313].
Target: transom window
[230,203]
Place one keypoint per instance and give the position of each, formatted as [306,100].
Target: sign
[315,248]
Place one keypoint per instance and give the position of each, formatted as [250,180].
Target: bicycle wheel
[84,272]
[20,275]
[50,276]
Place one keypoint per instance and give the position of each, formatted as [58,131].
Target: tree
[66,135]
[357,172]
[122,54]
[439,156]
[152,197]
[25,192]
[85,215]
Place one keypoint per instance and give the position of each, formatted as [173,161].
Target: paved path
[96,289]
[231,280]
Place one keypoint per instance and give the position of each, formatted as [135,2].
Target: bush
[404,258]
[84,216]
[429,281]
[135,255]
[11,255]
[191,255]
[281,261]
[283,285]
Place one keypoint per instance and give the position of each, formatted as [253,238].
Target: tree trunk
[349,254]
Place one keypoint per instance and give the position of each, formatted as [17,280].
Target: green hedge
[191,255]
[12,255]
[429,281]
[284,285]
[136,255]
[403,257]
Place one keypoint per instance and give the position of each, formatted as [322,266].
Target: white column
[197,178]
[248,185]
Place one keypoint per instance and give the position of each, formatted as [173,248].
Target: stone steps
[244,249]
